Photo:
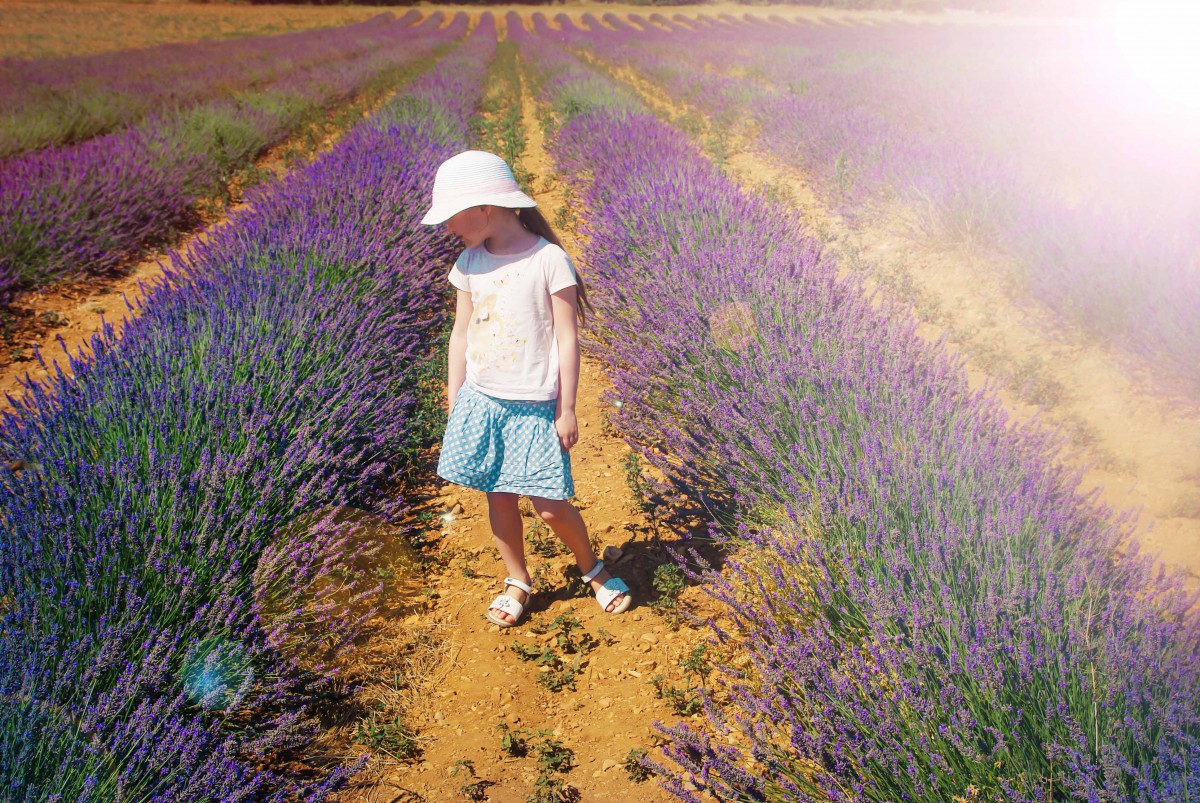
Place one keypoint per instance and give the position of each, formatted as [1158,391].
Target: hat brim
[444,209]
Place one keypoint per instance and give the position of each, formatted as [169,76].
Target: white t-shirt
[512,352]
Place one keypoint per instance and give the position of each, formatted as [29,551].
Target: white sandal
[613,587]
[509,604]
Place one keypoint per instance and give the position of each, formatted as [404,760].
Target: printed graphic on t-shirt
[512,351]
[493,342]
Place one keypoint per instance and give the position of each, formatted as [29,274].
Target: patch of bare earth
[47,29]
[1140,449]
[478,687]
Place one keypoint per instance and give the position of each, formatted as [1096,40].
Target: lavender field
[155,594]
[918,583]
[1036,142]
[87,207]
[918,597]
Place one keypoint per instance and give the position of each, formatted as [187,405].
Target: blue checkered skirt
[505,445]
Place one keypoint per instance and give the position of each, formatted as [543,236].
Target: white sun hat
[473,178]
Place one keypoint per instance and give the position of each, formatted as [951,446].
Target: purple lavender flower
[168,569]
[930,607]
[92,206]
[1031,142]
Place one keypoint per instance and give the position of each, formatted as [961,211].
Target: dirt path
[477,686]
[1141,450]
[480,684]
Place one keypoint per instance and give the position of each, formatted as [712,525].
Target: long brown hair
[532,218]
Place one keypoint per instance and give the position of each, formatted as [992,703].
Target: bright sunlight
[1158,40]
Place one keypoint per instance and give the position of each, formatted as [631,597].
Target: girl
[513,370]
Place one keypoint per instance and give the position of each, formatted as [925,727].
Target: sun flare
[1158,40]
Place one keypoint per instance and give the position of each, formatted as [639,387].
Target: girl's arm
[456,372]
[566,330]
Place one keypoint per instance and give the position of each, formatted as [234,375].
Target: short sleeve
[560,272]
[457,278]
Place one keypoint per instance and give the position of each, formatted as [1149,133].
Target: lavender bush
[177,565]
[57,101]
[1035,143]
[90,207]
[930,608]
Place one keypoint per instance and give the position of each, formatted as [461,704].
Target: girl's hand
[568,429]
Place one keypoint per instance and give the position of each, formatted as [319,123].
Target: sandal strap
[599,567]
[507,604]
[612,588]
[615,583]
[512,581]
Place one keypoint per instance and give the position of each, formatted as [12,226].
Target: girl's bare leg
[510,540]
[567,524]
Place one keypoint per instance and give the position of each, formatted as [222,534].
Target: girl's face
[470,225]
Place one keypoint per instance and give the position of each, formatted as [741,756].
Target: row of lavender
[1038,143]
[60,100]
[930,607]
[90,207]
[177,561]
